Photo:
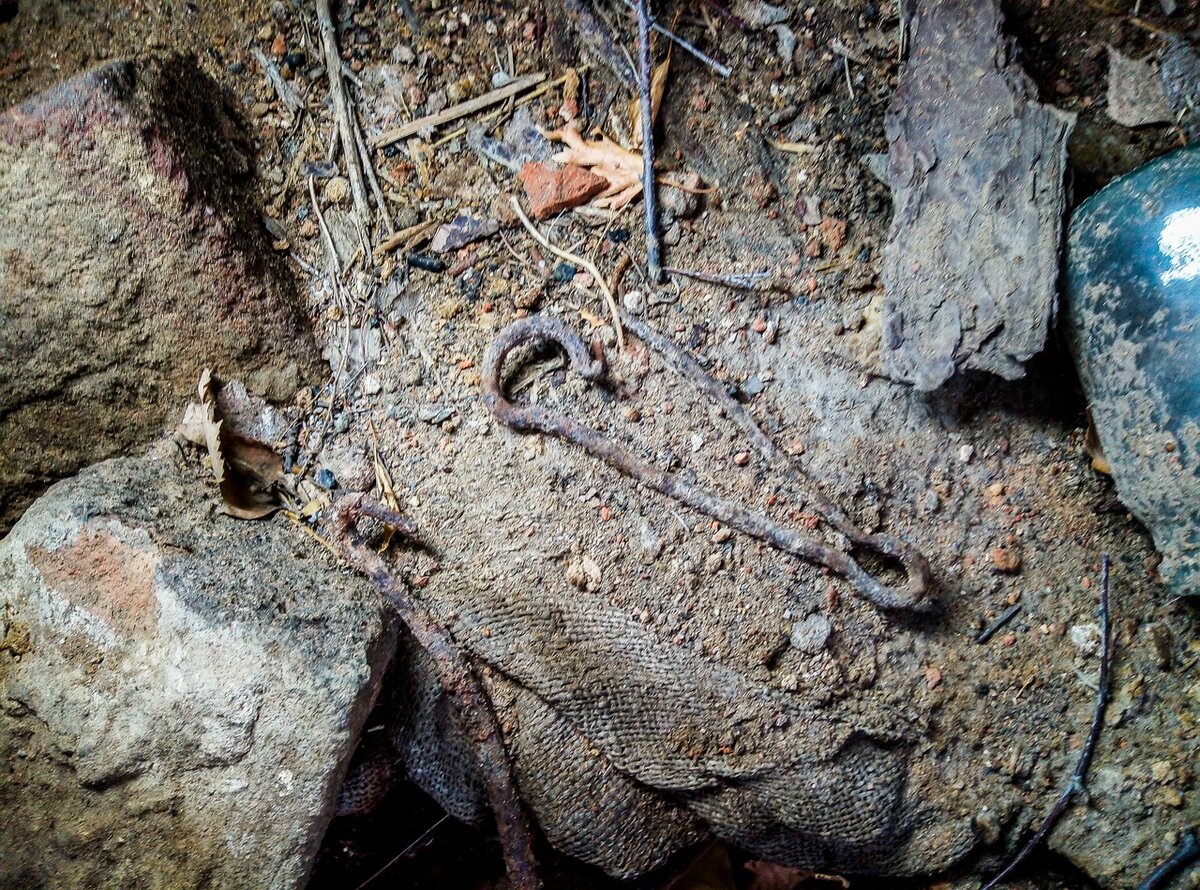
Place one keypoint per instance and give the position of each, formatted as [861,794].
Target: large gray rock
[131,256]
[180,692]
[1133,322]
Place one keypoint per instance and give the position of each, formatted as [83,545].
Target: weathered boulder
[1133,320]
[130,257]
[180,692]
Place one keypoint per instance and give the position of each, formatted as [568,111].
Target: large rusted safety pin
[541,329]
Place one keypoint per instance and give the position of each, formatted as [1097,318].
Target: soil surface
[989,479]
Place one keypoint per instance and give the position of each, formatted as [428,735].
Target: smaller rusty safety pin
[545,330]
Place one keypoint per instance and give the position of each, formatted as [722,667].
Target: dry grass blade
[658,84]
[580,262]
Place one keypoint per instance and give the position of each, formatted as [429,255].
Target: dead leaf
[210,426]
[770,876]
[248,473]
[620,167]
[658,84]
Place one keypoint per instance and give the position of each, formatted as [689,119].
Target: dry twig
[454,112]
[992,629]
[407,238]
[1075,785]
[760,281]
[369,167]
[712,63]
[653,261]
[341,112]
[1187,853]
[333,254]
[283,90]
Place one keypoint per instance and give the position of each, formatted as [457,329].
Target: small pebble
[337,190]
[326,479]
[1006,560]
[988,826]
[651,545]
[1161,645]
[742,458]
[965,453]
[1086,638]
[753,386]
[424,262]
[584,573]
[564,272]
[809,635]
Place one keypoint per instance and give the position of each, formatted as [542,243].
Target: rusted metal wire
[456,675]
[540,329]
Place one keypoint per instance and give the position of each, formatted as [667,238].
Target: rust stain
[106,577]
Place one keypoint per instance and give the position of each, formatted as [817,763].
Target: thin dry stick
[996,626]
[407,238]
[737,281]
[295,520]
[456,676]
[712,63]
[581,262]
[337,266]
[285,93]
[454,112]
[1089,746]
[796,148]
[1187,853]
[341,111]
[524,100]
[369,167]
[653,263]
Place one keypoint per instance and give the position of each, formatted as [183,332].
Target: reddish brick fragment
[552,191]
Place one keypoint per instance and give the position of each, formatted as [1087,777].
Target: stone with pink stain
[180,692]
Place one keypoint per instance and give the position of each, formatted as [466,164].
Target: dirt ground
[988,478]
